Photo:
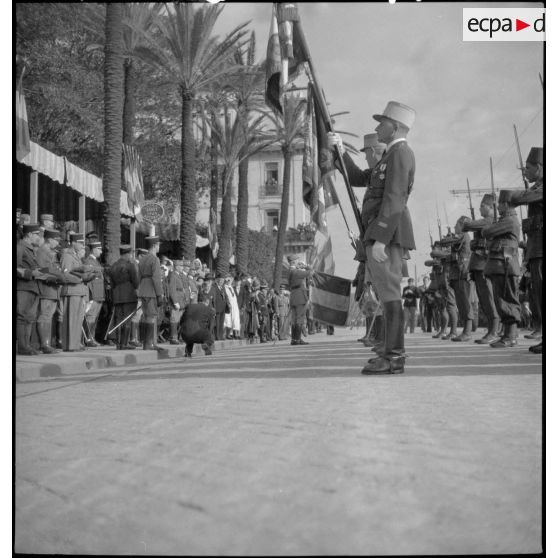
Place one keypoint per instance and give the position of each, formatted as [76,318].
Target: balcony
[270,189]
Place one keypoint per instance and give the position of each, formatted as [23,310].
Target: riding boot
[300,341]
[23,334]
[173,340]
[125,338]
[146,333]
[134,326]
[90,326]
[294,334]
[392,358]
[43,330]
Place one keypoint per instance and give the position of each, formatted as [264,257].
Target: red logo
[519,25]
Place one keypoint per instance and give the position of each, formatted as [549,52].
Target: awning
[170,231]
[45,162]
[62,171]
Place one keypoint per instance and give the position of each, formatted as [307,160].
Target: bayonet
[521,167]
[470,201]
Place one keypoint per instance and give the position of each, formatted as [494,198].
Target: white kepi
[399,112]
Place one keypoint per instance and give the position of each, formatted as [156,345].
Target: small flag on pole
[212,234]
[330,297]
[23,144]
[133,179]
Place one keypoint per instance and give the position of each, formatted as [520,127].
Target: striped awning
[62,171]
[45,162]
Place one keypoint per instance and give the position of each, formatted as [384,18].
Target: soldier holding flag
[388,234]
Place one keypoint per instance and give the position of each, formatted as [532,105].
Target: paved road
[278,450]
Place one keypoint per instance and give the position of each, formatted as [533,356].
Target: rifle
[447,220]
[521,167]
[430,235]
[494,204]
[438,220]
[470,202]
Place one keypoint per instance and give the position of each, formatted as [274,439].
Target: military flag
[284,43]
[330,299]
[212,233]
[133,179]
[318,190]
[23,144]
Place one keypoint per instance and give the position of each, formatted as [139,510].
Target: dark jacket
[385,216]
[533,226]
[219,298]
[197,323]
[503,251]
[124,279]
[151,283]
[26,264]
[176,291]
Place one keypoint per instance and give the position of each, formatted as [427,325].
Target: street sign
[152,212]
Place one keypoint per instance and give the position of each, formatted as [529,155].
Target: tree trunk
[242,218]
[214,184]
[112,157]
[283,218]
[226,226]
[188,198]
[129,101]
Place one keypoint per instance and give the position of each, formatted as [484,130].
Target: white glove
[176,305]
[334,139]
[379,252]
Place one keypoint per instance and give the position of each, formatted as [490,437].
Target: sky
[467,96]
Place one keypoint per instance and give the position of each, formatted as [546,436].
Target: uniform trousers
[485,294]
[298,314]
[138,315]
[283,326]
[47,308]
[175,315]
[27,307]
[93,310]
[506,297]
[72,324]
[462,290]
[386,276]
[220,326]
[409,318]
[536,291]
[149,309]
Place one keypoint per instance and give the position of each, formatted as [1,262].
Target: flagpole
[327,118]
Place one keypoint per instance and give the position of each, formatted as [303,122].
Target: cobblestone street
[280,450]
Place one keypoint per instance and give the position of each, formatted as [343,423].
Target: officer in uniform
[189,281]
[46,220]
[263,306]
[283,311]
[74,296]
[150,292]
[49,289]
[124,278]
[137,318]
[298,274]
[477,263]
[503,268]
[388,233]
[533,227]
[27,271]
[96,289]
[179,297]
[220,305]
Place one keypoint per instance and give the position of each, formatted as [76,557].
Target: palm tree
[193,59]
[289,129]
[236,140]
[112,158]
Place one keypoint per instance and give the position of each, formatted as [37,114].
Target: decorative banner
[330,299]
[152,212]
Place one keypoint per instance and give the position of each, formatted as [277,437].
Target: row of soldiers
[491,260]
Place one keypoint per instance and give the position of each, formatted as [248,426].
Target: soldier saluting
[298,273]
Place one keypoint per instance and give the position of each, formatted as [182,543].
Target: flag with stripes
[284,42]
[330,298]
[212,233]
[133,179]
[23,143]
[318,190]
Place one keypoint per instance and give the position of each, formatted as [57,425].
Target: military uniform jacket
[460,254]
[151,281]
[479,253]
[48,262]
[176,291]
[70,261]
[191,287]
[385,216]
[297,286]
[283,306]
[533,226]
[263,303]
[124,279]
[503,246]
[26,264]
[97,285]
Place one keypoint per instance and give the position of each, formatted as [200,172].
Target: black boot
[300,341]
[392,359]
[125,338]
[134,326]
[23,333]
[294,331]
[146,333]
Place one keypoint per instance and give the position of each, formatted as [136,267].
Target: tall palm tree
[237,140]
[193,59]
[112,158]
[248,89]
[289,130]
